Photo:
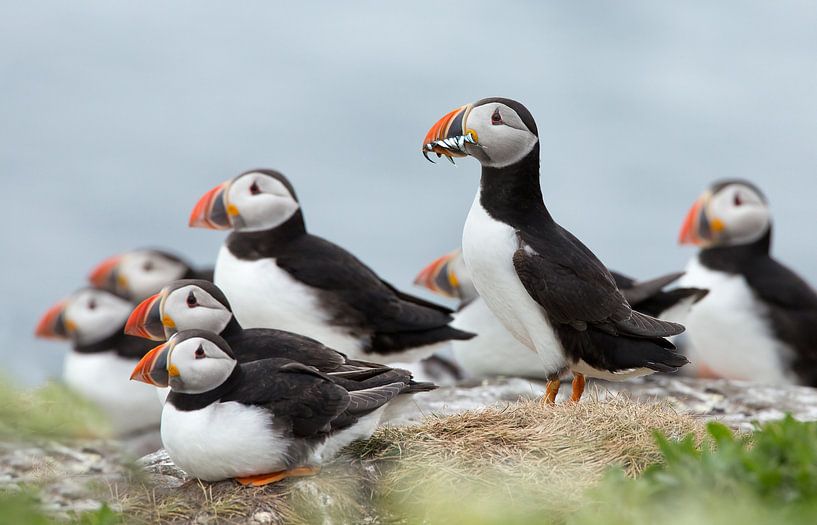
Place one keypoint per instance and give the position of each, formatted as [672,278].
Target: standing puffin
[197,304]
[495,351]
[541,282]
[102,356]
[258,422]
[759,321]
[277,275]
[136,274]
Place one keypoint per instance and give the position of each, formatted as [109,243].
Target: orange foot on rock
[260,480]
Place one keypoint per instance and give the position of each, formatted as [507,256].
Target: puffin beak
[152,368]
[439,276]
[53,324]
[212,211]
[106,274]
[697,228]
[450,135]
[146,319]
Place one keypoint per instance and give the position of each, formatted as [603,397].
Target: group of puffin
[272,362]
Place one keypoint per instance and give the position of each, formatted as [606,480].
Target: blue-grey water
[116,116]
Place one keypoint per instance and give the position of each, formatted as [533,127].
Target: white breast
[494,351]
[104,379]
[263,295]
[224,440]
[729,331]
[488,246]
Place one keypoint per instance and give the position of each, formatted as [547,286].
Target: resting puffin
[102,356]
[759,321]
[279,276]
[197,304]
[541,282]
[137,274]
[258,422]
[495,352]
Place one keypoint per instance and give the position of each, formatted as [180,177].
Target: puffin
[496,352]
[759,320]
[137,274]
[258,422]
[190,304]
[542,283]
[102,357]
[277,275]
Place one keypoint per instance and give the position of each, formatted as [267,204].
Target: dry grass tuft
[447,467]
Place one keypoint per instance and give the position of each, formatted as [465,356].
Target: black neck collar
[512,194]
[266,243]
[119,343]
[734,259]
[188,402]
[232,328]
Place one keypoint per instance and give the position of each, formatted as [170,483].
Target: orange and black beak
[153,368]
[699,228]
[53,324]
[440,277]
[106,274]
[450,135]
[146,319]
[213,211]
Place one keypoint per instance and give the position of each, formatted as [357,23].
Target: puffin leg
[551,390]
[260,480]
[578,387]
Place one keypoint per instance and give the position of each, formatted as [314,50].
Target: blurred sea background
[116,116]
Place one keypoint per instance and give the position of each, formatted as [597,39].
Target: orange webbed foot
[260,480]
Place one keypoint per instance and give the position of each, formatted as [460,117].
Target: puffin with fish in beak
[546,287]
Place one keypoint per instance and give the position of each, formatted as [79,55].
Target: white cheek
[268,212]
[503,145]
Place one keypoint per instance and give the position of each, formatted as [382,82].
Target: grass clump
[767,476]
[52,411]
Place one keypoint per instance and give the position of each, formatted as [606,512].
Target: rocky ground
[80,476]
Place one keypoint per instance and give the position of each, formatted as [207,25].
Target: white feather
[488,247]
[230,439]
[224,440]
[494,351]
[104,379]
[263,295]
[729,331]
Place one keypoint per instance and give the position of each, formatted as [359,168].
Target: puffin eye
[92,304]
[148,266]
[496,118]
[254,189]
[191,300]
[738,200]
[199,353]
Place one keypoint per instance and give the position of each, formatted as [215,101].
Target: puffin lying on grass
[279,276]
[495,352]
[137,274]
[759,321]
[259,422]
[102,356]
[541,282]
